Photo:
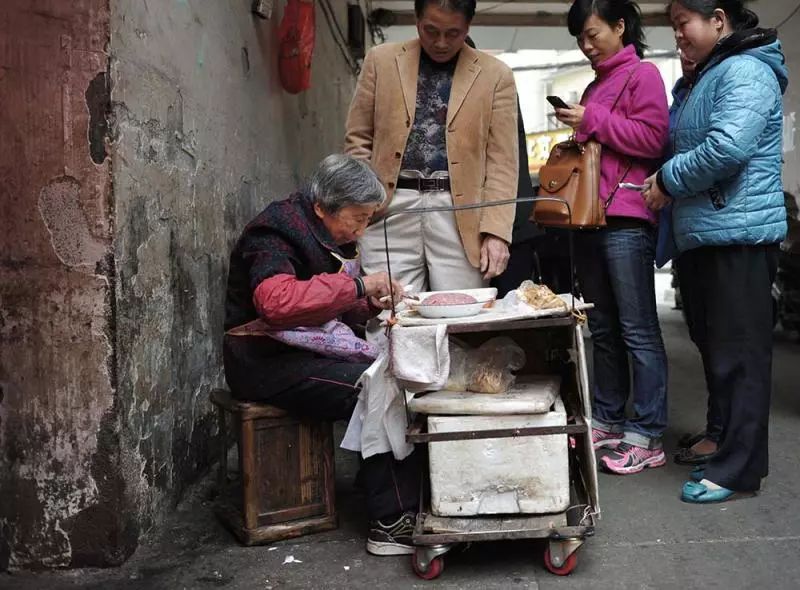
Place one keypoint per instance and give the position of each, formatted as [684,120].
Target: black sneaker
[394,538]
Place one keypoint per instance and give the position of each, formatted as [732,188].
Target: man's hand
[378,286]
[494,256]
[653,196]
[572,116]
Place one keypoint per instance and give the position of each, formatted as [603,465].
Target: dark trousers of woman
[728,303]
[391,486]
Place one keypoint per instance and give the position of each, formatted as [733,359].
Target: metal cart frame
[566,531]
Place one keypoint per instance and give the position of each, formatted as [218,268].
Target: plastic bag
[458,380]
[486,369]
[539,296]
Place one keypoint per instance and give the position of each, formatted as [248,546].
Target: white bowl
[462,310]
[480,295]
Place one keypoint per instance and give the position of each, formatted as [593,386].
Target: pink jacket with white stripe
[635,133]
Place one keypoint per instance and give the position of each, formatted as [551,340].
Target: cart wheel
[434,570]
[566,568]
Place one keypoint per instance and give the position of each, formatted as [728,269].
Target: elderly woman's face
[348,223]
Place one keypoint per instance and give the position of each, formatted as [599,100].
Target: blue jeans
[615,270]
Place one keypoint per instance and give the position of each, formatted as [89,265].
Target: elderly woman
[294,290]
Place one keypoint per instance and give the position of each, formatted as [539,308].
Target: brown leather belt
[424,185]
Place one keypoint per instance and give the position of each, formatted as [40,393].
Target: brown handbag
[572,174]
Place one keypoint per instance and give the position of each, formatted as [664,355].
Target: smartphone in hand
[557,102]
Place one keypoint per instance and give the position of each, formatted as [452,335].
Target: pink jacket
[636,132]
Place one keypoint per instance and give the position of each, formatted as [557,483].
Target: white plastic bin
[517,475]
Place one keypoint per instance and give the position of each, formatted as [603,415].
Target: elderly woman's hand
[654,197]
[377,286]
[573,116]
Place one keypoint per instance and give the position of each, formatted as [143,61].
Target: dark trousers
[391,486]
[521,267]
[728,303]
[543,259]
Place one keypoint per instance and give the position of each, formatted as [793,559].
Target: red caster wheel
[565,569]
[434,570]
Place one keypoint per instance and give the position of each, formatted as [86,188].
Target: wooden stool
[285,487]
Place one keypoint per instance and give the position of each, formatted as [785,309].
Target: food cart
[514,466]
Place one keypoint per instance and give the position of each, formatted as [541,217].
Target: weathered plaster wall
[56,349]
[204,138]
[116,218]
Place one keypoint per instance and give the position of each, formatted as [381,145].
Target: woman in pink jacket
[625,110]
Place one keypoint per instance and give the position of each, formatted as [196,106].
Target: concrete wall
[56,338]
[112,297]
[205,138]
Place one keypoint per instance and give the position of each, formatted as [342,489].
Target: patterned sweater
[426,149]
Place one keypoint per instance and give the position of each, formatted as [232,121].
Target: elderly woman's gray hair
[341,180]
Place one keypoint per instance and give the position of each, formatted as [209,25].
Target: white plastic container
[517,475]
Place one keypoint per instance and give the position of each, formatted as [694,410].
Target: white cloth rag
[378,424]
[420,356]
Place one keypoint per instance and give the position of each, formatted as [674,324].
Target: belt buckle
[427,185]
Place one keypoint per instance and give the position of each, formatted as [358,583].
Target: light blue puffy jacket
[725,174]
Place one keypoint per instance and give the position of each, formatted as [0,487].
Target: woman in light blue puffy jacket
[724,180]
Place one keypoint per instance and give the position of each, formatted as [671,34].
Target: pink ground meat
[449,299]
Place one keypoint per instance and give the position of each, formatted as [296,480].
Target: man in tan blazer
[438,122]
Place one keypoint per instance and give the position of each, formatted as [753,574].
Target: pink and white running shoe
[627,459]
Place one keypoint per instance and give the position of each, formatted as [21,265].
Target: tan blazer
[482,144]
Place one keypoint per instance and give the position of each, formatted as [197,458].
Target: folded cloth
[378,424]
[420,356]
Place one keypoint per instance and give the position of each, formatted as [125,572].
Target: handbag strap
[634,69]
[616,186]
[630,162]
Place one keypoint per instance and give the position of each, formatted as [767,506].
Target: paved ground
[646,539]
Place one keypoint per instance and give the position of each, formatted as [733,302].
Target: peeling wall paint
[205,138]
[70,234]
[98,100]
[111,300]
[55,285]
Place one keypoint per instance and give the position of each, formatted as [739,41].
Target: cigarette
[633,187]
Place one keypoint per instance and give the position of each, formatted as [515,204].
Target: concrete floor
[647,538]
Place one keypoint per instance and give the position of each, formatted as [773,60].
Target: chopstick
[386,298]
[406,295]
